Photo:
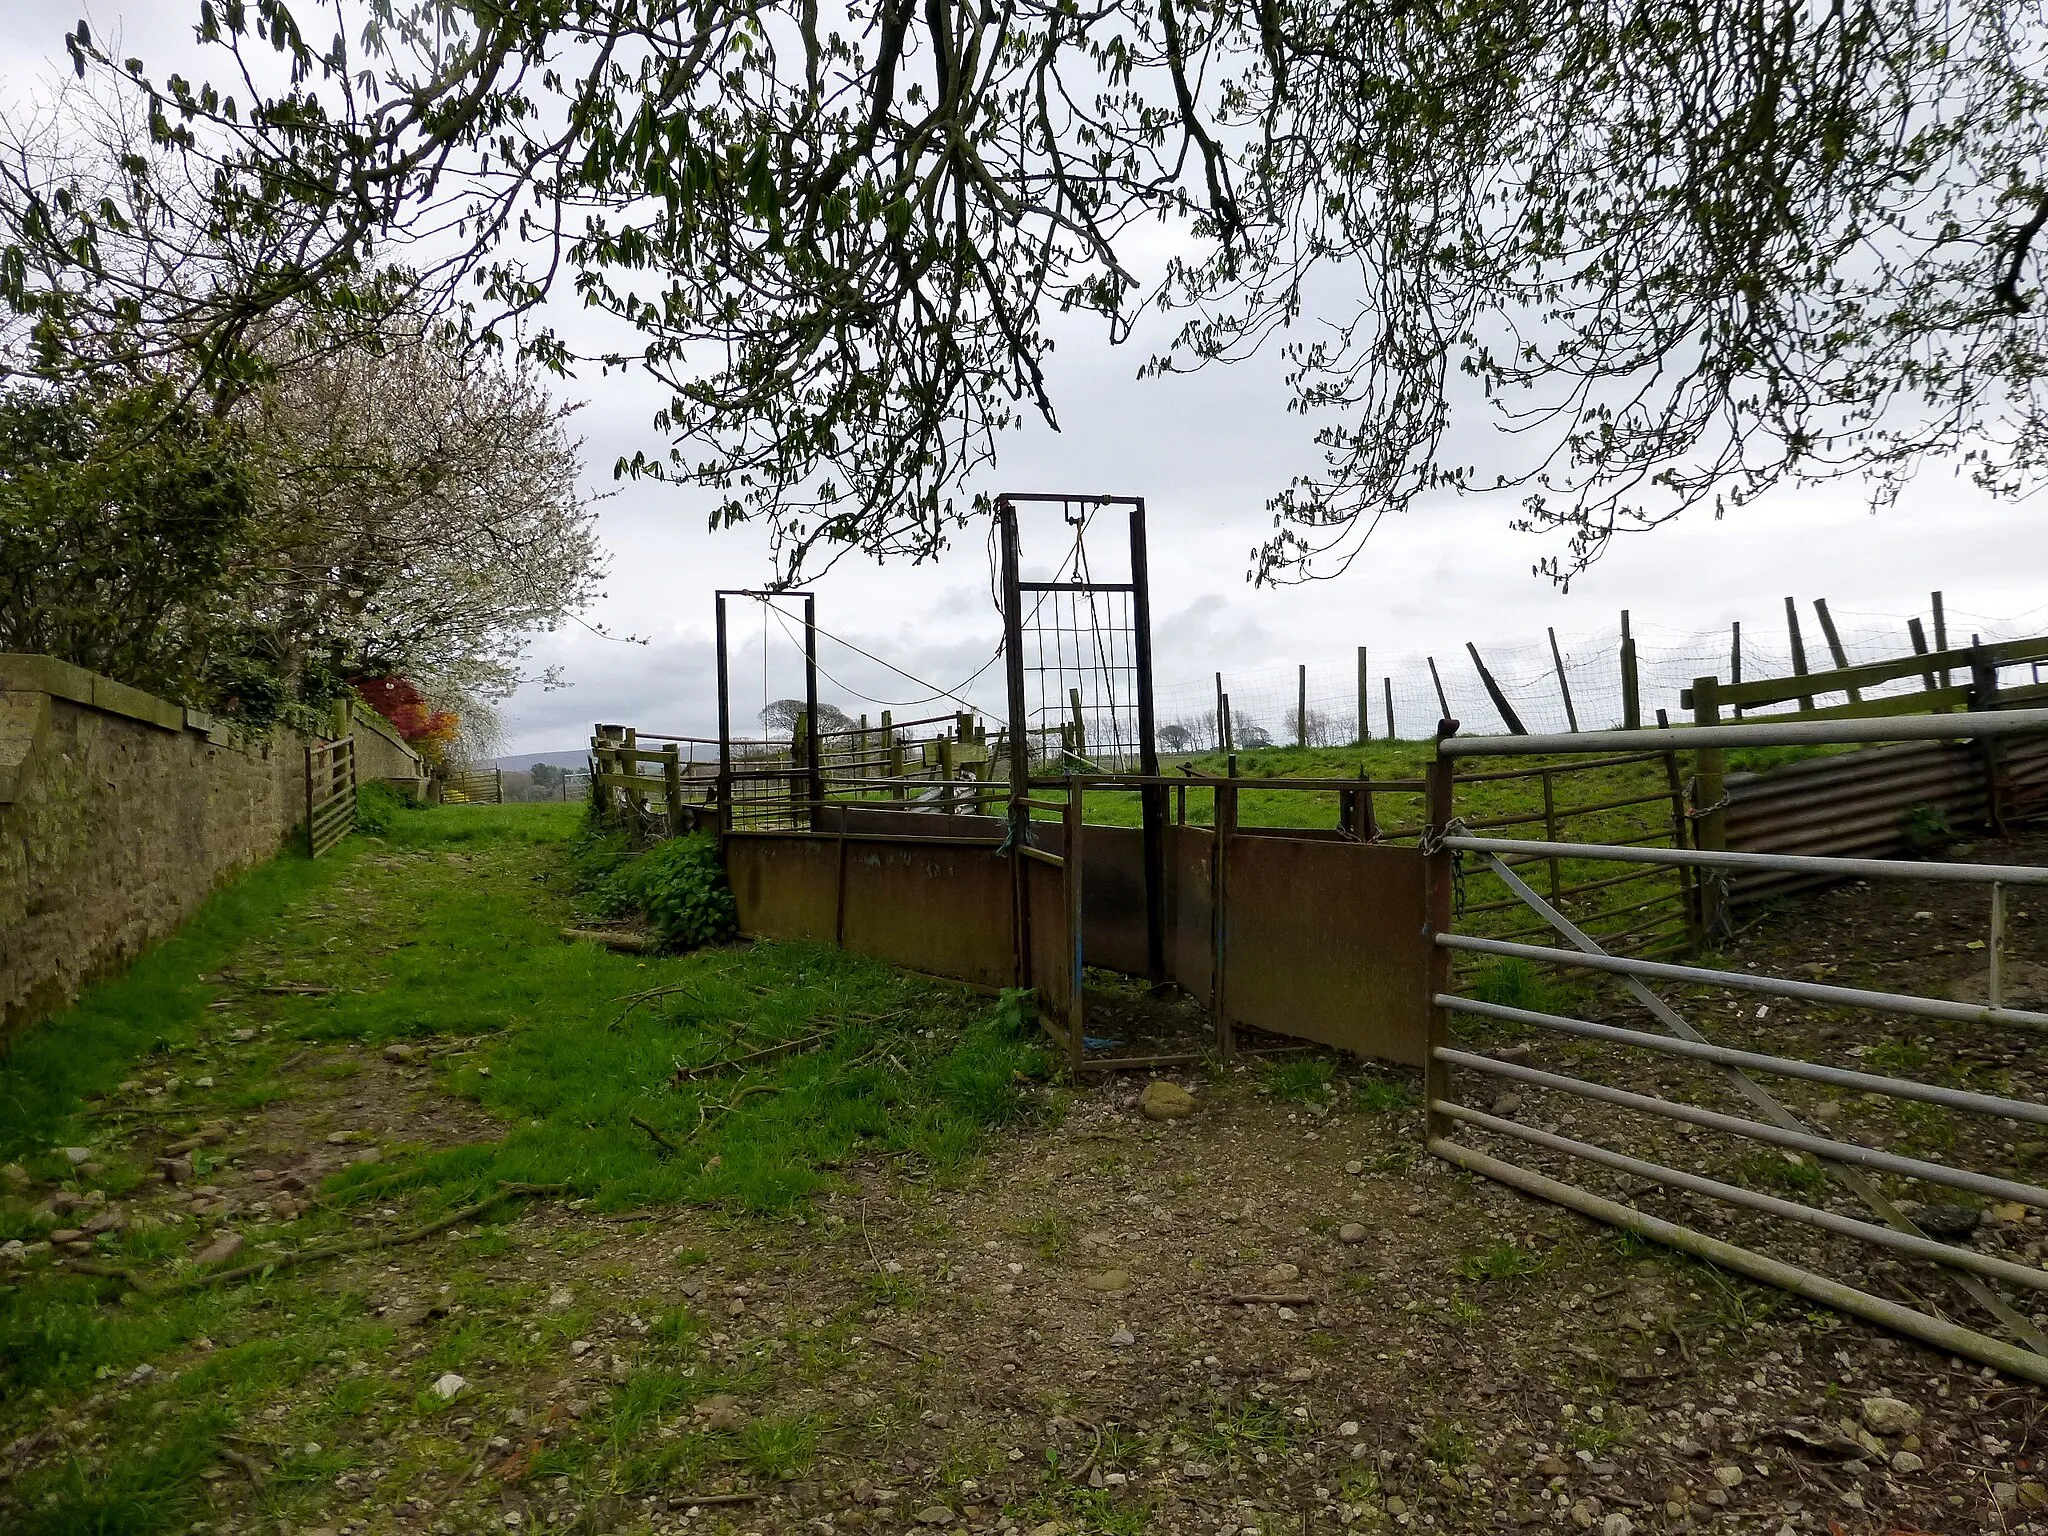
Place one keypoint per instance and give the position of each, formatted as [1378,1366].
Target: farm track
[1273,1315]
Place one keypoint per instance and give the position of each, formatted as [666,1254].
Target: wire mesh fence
[1400,694]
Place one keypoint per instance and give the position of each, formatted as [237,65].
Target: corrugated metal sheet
[1857,803]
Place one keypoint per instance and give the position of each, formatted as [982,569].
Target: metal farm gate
[1632,1103]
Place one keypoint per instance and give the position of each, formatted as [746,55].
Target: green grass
[444,931]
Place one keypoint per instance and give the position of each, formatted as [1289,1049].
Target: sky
[1205,451]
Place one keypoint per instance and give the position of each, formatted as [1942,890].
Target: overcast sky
[1206,452]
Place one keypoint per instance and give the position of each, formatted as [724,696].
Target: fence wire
[1265,703]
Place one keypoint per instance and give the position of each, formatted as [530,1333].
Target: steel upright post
[1151,798]
[1020,741]
[724,726]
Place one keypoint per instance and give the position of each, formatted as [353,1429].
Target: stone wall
[120,814]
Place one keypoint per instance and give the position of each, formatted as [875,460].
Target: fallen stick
[659,1140]
[311,1255]
[688,1074]
[1274,1299]
[703,1499]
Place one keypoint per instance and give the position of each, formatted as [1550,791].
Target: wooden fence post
[1941,637]
[1389,683]
[1735,659]
[1984,695]
[1223,714]
[1442,703]
[672,785]
[1571,715]
[1799,667]
[1301,706]
[1919,635]
[946,773]
[1710,805]
[1364,700]
[1631,691]
[1508,717]
[1827,628]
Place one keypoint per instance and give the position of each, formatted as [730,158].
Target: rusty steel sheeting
[933,908]
[1855,803]
[1112,892]
[1190,923]
[785,887]
[1053,968]
[1325,941]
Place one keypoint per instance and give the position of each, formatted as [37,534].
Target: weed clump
[378,807]
[678,885]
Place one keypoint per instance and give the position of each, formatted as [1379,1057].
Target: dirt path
[1270,1316]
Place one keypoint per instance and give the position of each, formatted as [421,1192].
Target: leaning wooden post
[1710,806]
[1919,637]
[629,767]
[1301,706]
[1440,873]
[1223,714]
[1508,717]
[1389,682]
[1631,691]
[1571,715]
[1799,668]
[1841,657]
[1364,700]
[1941,637]
[1080,723]
[672,786]
[1442,703]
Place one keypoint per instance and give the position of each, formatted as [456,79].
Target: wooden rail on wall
[330,794]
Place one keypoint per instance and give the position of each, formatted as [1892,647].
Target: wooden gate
[330,794]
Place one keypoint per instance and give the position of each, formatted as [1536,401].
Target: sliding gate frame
[1847,1163]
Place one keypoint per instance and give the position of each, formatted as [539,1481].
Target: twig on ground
[902,1349]
[312,1255]
[706,1499]
[659,1140]
[721,1063]
[1273,1299]
[249,1464]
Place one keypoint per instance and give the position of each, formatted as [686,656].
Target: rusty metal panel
[945,911]
[1053,967]
[894,821]
[1190,908]
[785,887]
[1324,941]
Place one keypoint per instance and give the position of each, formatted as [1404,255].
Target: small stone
[76,1155]
[561,1296]
[1906,1462]
[109,1220]
[14,1176]
[722,1411]
[1947,1221]
[1162,1100]
[578,1409]
[66,1235]
[1507,1105]
[2034,1495]
[221,1249]
[1106,1281]
[12,1250]
[446,1387]
[579,1349]
[1889,1416]
[142,1373]
[1282,1274]
[936,1514]
[403,1055]
[340,1138]
[1517,1055]
[1354,1167]
[1352,1232]
[1728,1477]
[176,1170]
[1348,1429]
[203,1082]
[2005,1495]
[1617,1525]
[1123,1338]
[1828,1111]
[2009,1214]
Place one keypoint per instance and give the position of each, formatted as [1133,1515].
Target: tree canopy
[1682,253]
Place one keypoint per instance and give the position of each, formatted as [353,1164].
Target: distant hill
[554,759]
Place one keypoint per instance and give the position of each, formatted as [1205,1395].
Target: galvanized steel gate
[1870,1177]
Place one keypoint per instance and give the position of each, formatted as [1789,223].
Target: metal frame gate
[1854,1170]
